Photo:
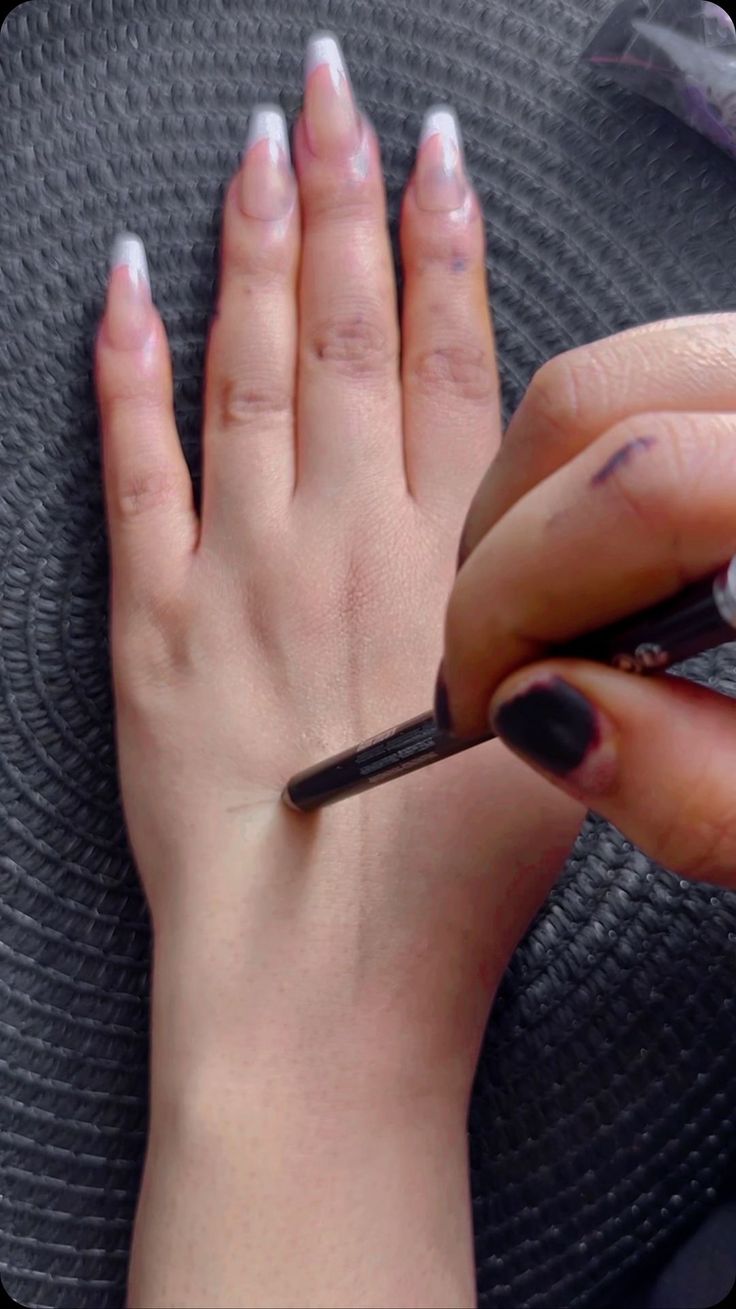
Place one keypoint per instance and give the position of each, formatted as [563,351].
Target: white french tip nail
[268,123]
[129,251]
[442,121]
[324,48]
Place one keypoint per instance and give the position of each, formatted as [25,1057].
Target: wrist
[273,1113]
[347,1186]
[228,1024]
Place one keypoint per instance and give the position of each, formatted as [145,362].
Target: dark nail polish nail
[551,723]
[441,705]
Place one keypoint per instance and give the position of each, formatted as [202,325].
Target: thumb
[655,756]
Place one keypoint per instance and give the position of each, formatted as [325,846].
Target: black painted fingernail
[551,723]
[441,705]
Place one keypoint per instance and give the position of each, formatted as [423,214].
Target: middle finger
[349,405]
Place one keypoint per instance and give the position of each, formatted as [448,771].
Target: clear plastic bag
[678,53]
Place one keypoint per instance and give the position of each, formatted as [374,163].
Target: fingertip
[128,251]
[129,317]
[132,360]
[544,715]
[265,186]
[653,755]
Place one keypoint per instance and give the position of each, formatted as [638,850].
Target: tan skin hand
[613,490]
[303,611]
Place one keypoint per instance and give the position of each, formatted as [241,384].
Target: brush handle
[698,618]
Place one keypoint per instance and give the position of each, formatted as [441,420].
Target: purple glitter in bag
[679,53]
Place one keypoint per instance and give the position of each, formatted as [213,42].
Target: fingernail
[439,178]
[129,308]
[442,715]
[555,726]
[331,117]
[267,186]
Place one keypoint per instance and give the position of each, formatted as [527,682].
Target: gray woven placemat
[603,1117]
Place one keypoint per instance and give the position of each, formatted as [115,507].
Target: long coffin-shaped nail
[439,179]
[128,312]
[267,186]
[331,117]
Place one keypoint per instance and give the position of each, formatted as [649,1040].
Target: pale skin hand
[321,983]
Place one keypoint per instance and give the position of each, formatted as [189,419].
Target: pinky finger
[655,756]
[152,522]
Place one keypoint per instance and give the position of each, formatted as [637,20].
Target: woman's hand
[303,611]
[615,487]
[321,983]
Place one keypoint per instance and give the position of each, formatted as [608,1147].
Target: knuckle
[255,401]
[443,250]
[702,840]
[463,370]
[714,851]
[141,678]
[144,490]
[340,205]
[556,397]
[253,269]
[152,649]
[139,390]
[353,342]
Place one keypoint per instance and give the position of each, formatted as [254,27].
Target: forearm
[279,1182]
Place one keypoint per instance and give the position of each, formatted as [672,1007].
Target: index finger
[632,520]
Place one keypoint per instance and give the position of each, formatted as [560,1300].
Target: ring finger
[251,353]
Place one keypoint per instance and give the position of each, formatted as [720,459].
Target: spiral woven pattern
[603,1116]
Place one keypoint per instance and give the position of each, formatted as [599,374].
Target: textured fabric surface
[602,1122]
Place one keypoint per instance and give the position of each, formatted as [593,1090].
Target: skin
[617,470]
[321,983]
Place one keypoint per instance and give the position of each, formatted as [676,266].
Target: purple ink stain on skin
[622,456]
[459,264]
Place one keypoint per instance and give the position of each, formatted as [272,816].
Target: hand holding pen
[597,545]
